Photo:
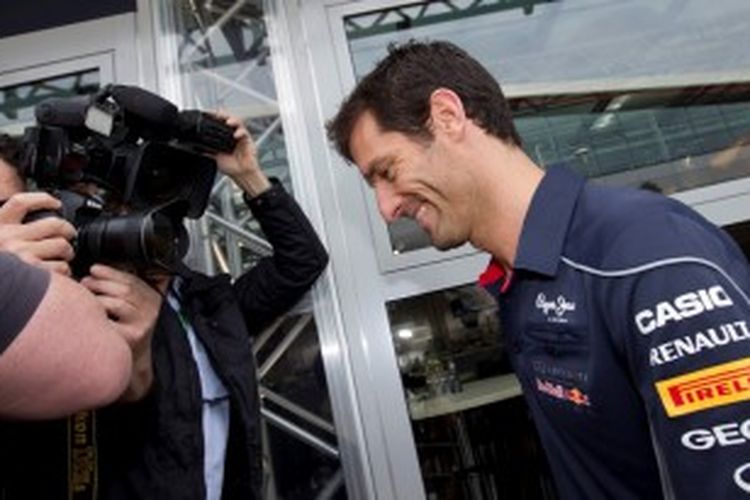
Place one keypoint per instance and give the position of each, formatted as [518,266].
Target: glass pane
[636,92]
[295,389]
[233,70]
[17,101]
[225,63]
[473,434]
[670,139]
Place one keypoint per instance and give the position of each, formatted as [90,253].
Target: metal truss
[431,12]
[223,56]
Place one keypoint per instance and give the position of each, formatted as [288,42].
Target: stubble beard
[446,243]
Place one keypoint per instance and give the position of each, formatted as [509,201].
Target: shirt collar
[547,221]
[495,277]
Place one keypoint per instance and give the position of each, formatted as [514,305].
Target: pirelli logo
[715,386]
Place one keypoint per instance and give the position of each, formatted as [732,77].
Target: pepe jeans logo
[556,309]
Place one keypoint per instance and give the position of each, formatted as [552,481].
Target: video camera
[127,167]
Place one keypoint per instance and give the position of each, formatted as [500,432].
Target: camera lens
[165,240]
[145,239]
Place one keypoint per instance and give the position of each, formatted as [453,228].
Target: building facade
[389,380]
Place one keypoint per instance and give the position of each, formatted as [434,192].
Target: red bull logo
[559,391]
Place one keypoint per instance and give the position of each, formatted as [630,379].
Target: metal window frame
[372,423]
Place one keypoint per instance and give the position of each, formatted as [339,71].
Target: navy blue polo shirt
[626,319]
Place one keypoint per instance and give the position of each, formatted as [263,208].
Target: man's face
[10,182]
[415,179]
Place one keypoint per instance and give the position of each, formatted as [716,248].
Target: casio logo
[682,307]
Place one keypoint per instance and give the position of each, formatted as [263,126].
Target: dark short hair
[398,92]
[10,149]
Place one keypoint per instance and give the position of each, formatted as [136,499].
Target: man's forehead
[364,130]
[372,147]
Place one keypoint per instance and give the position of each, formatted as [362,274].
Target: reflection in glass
[17,102]
[446,340]
[473,435]
[675,138]
[643,91]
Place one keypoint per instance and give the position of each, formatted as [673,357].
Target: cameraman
[59,352]
[196,435]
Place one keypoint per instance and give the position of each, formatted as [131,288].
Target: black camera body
[128,167]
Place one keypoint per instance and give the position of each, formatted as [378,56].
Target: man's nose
[389,203]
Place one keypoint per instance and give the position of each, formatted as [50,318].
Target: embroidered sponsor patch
[718,385]
[711,338]
[554,309]
[682,307]
[559,391]
[559,372]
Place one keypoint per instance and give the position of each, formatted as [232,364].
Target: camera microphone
[205,131]
[63,111]
[160,118]
[142,104]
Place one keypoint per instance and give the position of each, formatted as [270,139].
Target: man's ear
[447,112]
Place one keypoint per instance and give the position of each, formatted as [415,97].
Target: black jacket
[154,448]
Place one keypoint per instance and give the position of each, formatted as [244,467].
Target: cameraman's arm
[277,282]
[44,242]
[61,353]
[134,307]
[241,165]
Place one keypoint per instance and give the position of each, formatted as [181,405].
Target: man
[194,430]
[624,311]
[59,352]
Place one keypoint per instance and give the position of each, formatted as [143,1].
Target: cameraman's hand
[133,305]
[44,242]
[242,164]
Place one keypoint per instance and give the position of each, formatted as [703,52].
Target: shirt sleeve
[279,280]
[689,348]
[22,288]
